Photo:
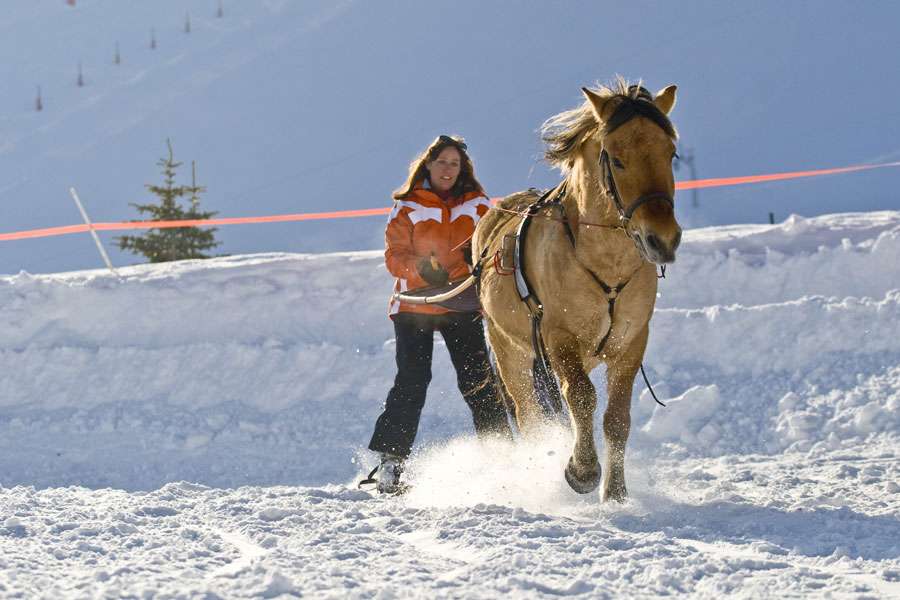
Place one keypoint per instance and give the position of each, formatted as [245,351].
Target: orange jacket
[422,223]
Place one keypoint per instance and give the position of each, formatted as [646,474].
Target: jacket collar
[425,185]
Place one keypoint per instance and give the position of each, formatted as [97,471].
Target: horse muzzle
[656,248]
[658,235]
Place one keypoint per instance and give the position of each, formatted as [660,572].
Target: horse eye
[617,163]
[675,156]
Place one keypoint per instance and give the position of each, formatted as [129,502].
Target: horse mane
[566,132]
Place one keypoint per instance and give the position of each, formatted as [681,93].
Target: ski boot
[386,476]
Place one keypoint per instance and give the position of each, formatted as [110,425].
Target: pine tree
[172,243]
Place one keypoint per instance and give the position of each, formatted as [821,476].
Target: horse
[582,284]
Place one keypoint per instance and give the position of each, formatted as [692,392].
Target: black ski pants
[395,429]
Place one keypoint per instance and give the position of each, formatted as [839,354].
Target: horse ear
[603,108]
[665,99]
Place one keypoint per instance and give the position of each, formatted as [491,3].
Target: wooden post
[152,38]
[38,104]
[187,21]
[118,58]
[80,78]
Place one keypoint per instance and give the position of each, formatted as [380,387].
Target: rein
[549,218]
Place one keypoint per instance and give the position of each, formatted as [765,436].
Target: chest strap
[612,293]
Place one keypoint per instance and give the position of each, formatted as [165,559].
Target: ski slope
[197,429]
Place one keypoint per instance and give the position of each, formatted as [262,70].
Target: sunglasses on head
[450,140]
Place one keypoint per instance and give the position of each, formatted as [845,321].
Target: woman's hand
[433,275]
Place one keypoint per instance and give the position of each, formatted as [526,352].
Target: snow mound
[271,369]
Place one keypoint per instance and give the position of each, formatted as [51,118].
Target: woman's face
[444,170]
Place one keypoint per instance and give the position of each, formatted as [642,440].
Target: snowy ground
[197,430]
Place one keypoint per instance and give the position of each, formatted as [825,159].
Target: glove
[467,254]
[433,276]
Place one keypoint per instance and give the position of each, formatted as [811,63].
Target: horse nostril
[677,241]
[653,242]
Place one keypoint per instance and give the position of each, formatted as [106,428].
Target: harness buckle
[508,252]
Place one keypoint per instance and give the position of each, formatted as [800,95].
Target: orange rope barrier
[680,185]
[702,183]
[188,223]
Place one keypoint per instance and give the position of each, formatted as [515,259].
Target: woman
[434,215]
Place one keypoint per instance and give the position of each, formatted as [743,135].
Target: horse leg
[620,374]
[514,369]
[583,470]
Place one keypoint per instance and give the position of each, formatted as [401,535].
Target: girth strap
[547,391]
[522,285]
[544,382]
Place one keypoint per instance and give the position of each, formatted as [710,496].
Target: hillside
[293,107]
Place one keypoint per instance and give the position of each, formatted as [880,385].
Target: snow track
[254,382]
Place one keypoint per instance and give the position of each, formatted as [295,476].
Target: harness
[545,386]
[542,368]
[526,291]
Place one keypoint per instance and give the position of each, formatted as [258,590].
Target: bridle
[609,182]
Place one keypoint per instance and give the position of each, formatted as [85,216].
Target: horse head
[634,145]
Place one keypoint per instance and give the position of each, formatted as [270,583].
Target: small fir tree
[172,243]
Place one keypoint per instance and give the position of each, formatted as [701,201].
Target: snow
[197,429]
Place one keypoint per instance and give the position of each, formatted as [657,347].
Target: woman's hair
[466,181]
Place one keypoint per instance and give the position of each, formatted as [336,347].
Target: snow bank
[270,369]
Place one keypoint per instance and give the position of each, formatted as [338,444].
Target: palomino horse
[584,284]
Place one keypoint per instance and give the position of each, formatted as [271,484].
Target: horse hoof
[585,486]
